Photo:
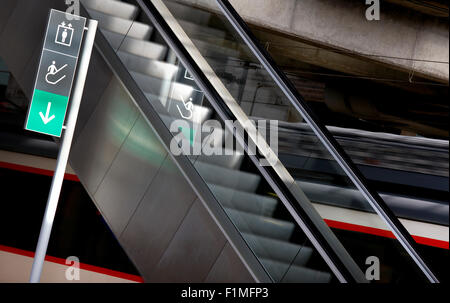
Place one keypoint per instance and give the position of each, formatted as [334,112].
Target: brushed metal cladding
[99,142]
[8,7]
[157,218]
[131,172]
[28,76]
[16,33]
[98,77]
[193,250]
[228,268]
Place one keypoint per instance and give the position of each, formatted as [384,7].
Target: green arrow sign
[55,75]
[47,113]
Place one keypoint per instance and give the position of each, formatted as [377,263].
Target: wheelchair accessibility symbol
[52,70]
[188,106]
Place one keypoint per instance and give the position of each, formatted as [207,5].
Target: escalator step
[233,161]
[112,7]
[277,250]
[194,126]
[183,12]
[147,66]
[296,274]
[152,85]
[244,201]
[122,26]
[235,179]
[260,225]
[134,46]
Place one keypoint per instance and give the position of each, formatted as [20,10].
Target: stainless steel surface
[103,135]
[187,258]
[228,268]
[6,11]
[99,76]
[158,217]
[29,74]
[133,169]
[290,274]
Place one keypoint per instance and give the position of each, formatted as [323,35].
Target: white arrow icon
[47,119]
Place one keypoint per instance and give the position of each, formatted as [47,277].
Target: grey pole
[63,156]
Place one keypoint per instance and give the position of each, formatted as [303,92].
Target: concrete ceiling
[437,8]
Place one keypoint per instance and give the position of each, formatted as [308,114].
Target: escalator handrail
[326,138]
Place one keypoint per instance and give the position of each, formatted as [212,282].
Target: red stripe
[331,223]
[384,233]
[431,242]
[88,267]
[38,171]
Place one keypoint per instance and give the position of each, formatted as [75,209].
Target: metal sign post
[61,47]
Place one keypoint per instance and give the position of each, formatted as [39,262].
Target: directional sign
[55,74]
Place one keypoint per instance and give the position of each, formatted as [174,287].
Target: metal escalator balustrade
[281,93]
[277,241]
[303,214]
[235,186]
[328,141]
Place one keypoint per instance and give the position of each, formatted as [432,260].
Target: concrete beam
[430,7]
[403,39]
[291,55]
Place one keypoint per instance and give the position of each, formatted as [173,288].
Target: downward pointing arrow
[47,119]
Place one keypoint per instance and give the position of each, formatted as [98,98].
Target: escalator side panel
[228,268]
[150,230]
[175,264]
[98,144]
[144,197]
[134,168]
[98,77]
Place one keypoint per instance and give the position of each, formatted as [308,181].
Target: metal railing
[326,138]
[300,208]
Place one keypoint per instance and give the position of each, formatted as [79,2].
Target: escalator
[165,77]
